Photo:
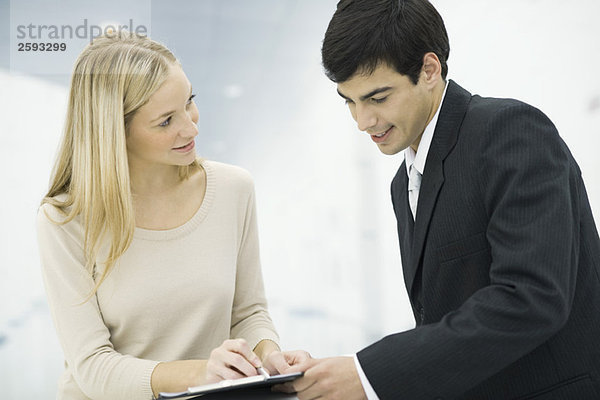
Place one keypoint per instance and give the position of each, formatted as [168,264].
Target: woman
[149,255]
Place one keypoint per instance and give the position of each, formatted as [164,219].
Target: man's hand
[328,379]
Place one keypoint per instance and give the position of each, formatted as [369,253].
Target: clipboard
[227,385]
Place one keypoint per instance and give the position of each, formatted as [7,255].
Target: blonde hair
[113,77]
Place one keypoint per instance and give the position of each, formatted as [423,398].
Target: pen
[262,371]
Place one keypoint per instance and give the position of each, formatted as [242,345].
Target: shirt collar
[418,159]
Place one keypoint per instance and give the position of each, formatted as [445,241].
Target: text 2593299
[43,46]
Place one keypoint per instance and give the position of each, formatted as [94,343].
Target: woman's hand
[232,360]
[287,362]
[279,362]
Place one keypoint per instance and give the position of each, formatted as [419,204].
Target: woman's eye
[191,98]
[166,122]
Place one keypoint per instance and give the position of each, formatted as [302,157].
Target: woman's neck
[152,181]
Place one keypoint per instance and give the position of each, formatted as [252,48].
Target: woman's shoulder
[54,208]
[227,173]
[53,214]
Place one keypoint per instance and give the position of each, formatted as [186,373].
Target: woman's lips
[186,148]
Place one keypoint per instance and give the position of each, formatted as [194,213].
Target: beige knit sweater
[175,294]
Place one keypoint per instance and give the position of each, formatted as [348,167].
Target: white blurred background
[328,241]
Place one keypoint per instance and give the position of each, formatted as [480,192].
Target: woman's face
[163,130]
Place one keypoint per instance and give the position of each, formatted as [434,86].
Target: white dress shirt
[418,159]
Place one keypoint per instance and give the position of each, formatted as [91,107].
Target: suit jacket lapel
[453,110]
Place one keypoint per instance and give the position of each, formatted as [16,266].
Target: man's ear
[432,68]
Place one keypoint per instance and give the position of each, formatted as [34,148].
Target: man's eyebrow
[168,112]
[374,92]
[343,96]
[370,94]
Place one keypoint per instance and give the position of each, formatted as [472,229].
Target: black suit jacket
[502,264]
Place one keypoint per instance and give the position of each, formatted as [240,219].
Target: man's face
[389,107]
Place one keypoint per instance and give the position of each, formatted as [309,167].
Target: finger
[303,366]
[303,383]
[238,362]
[278,362]
[241,347]
[297,357]
[218,367]
[221,358]
[218,371]
[223,372]
[309,393]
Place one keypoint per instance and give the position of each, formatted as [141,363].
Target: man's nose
[365,118]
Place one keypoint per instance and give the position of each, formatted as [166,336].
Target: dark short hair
[363,33]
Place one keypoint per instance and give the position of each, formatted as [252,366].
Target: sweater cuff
[146,379]
[261,334]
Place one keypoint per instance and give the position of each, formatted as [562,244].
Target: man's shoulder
[491,105]
[487,115]
[479,105]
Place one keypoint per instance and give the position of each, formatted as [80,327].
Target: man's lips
[382,136]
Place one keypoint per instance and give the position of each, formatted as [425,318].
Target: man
[499,249]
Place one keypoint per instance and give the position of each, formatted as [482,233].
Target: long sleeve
[250,318]
[100,371]
[174,294]
[525,202]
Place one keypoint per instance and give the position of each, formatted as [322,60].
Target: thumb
[279,362]
[301,367]
[255,360]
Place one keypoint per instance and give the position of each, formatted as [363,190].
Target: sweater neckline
[194,221]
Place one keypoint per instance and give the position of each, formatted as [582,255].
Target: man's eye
[378,101]
[166,122]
